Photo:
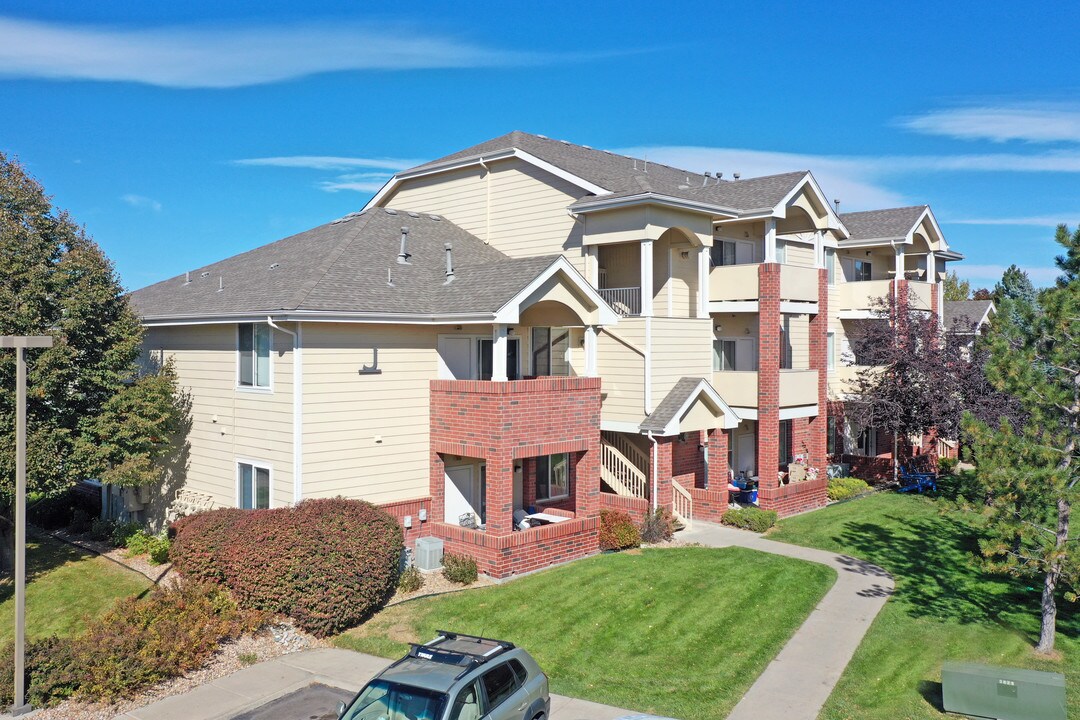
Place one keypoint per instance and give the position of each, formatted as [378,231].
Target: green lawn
[680,632]
[944,607]
[64,587]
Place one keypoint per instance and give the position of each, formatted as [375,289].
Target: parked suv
[456,677]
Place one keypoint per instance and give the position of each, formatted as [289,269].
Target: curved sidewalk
[796,684]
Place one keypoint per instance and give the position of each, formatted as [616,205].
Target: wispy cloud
[237,55]
[1069,218]
[990,274]
[1031,122]
[142,202]
[329,162]
[367,186]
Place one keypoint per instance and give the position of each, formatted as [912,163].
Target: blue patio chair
[913,481]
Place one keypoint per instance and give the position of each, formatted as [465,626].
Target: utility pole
[20,343]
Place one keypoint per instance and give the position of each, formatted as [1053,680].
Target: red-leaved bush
[617,531]
[325,563]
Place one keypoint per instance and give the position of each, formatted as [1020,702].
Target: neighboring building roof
[341,267]
[626,176]
[663,419]
[877,224]
[967,316]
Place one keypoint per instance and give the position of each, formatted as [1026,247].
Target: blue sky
[181,133]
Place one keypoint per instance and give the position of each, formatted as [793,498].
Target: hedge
[750,518]
[325,563]
[844,488]
[617,531]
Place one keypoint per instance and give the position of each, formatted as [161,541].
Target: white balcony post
[931,267]
[590,351]
[646,278]
[498,353]
[770,240]
[592,265]
[703,281]
[819,249]
[899,271]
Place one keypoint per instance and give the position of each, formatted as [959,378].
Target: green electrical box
[1002,693]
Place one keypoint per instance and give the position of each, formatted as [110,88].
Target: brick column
[768,424]
[528,482]
[819,345]
[718,466]
[437,486]
[585,477]
[663,471]
[500,493]
[687,458]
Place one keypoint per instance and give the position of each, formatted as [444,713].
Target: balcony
[739,283]
[862,298]
[740,388]
[625,300]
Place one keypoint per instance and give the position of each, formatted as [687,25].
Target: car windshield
[382,700]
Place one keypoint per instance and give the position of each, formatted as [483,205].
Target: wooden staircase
[624,467]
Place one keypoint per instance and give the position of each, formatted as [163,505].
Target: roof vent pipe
[403,255]
[836,202]
[719,176]
[736,175]
[705,180]
[187,277]
[449,263]
[220,283]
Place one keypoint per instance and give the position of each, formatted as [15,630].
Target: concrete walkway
[259,684]
[795,685]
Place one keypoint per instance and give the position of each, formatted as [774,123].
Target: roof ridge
[328,262]
[892,209]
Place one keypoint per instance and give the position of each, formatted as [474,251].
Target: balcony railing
[740,388]
[740,283]
[626,300]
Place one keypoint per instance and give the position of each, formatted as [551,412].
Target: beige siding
[681,347]
[517,208]
[366,436]
[800,341]
[621,264]
[230,424]
[621,365]
[800,255]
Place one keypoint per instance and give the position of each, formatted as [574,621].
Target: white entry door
[460,493]
[745,455]
[456,358]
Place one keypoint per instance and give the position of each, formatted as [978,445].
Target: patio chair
[912,481]
[521,520]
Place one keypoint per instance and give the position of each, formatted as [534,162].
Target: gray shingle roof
[964,315]
[624,176]
[341,267]
[665,412]
[890,223]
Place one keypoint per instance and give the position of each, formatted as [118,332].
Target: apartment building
[533,327]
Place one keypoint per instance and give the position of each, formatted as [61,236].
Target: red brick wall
[819,360]
[412,508]
[688,460]
[796,497]
[524,550]
[768,424]
[718,460]
[709,504]
[637,508]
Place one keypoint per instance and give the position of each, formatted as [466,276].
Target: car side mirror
[341,708]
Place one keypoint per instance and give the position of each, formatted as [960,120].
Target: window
[723,355]
[722,253]
[830,350]
[785,442]
[467,704]
[785,343]
[830,435]
[254,344]
[552,476]
[862,271]
[549,351]
[499,684]
[866,442]
[485,354]
[254,491]
[781,251]
[830,265]
[386,699]
[733,354]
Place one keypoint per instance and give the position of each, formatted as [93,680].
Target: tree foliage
[1069,262]
[1015,285]
[1029,472]
[54,280]
[955,288]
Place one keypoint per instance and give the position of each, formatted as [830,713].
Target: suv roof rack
[458,656]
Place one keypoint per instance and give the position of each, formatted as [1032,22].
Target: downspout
[652,467]
[298,407]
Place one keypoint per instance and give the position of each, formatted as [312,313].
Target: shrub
[460,569]
[947,465]
[81,521]
[658,526]
[156,547]
[617,531]
[137,643]
[51,513]
[101,529]
[750,518]
[844,488]
[124,531]
[411,580]
[325,563]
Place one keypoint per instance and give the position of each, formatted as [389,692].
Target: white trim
[588,205]
[261,464]
[620,426]
[858,315]
[796,307]
[298,406]
[731,419]
[746,413]
[510,313]
[393,183]
[371,318]
[801,411]
[833,221]
[267,389]
[733,306]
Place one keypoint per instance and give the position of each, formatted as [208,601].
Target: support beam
[592,265]
[703,282]
[590,351]
[770,240]
[498,353]
[646,278]
[819,249]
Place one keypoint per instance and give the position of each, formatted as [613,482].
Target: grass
[944,607]
[680,632]
[64,587]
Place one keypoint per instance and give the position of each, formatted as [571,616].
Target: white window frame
[255,464]
[781,251]
[264,389]
[737,340]
[830,350]
[830,265]
[554,498]
[532,350]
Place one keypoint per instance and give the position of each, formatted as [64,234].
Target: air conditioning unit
[1002,693]
[429,552]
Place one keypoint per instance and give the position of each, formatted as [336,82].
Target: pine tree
[1069,263]
[1030,473]
[55,280]
[1015,285]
